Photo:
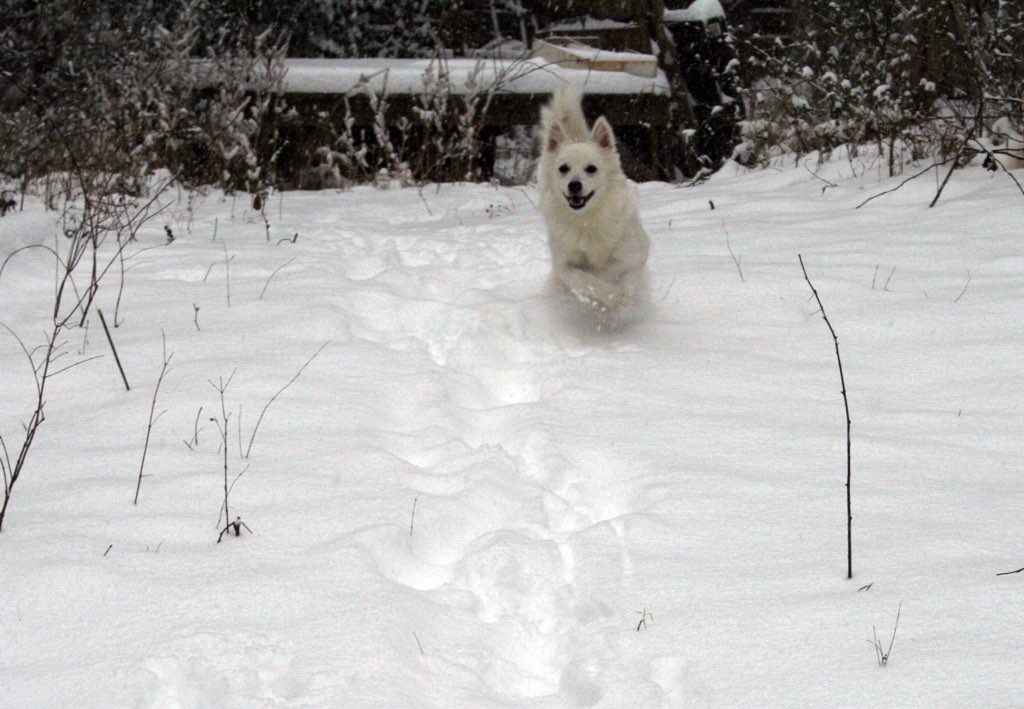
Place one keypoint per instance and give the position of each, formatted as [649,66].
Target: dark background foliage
[117,85]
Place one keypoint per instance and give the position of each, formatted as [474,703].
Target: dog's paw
[617,301]
[599,295]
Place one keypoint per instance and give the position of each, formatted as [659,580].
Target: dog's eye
[590,169]
[563,169]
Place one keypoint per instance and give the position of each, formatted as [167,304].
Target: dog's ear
[556,136]
[603,135]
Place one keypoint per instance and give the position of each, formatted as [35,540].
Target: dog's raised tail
[565,109]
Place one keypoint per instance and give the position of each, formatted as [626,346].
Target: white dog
[598,245]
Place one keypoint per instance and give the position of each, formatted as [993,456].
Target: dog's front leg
[589,287]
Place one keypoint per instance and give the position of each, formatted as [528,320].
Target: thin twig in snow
[669,289]
[279,392]
[886,286]
[152,420]
[846,406]
[819,177]
[239,430]
[85,339]
[933,166]
[276,270]
[949,174]
[75,364]
[957,299]
[735,260]
[1008,173]
[222,428]
[527,195]
[263,215]
[195,432]
[423,199]
[227,271]
[883,655]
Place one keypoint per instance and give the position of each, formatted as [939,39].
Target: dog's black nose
[575,187]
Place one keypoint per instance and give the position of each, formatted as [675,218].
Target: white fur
[598,250]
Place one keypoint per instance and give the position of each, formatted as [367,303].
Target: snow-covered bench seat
[519,86]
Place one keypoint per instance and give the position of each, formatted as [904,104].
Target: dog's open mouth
[578,201]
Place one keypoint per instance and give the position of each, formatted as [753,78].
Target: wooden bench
[513,91]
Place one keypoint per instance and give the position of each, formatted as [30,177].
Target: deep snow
[468,500]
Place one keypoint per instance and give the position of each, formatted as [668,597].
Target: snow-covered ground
[469,500]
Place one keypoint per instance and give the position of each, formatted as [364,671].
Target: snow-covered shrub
[915,79]
[124,91]
[447,124]
[230,137]
[515,155]
[436,138]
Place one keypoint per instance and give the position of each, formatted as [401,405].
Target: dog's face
[582,170]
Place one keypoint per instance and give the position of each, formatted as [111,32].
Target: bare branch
[14,253]
[152,409]
[227,271]
[276,270]
[222,387]
[933,166]
[846,406]
[735,259]
[949,174]
[75,364]
[957,299]
[279,392]
[28,354]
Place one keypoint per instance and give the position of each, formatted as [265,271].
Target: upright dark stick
[113,349]
[846,405]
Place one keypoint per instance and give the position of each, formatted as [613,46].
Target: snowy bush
[436,139]
[122,92]
[884,74]
[231,140]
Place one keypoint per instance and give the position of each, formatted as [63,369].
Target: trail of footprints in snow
[484,466]
[497,500]
[225,669]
